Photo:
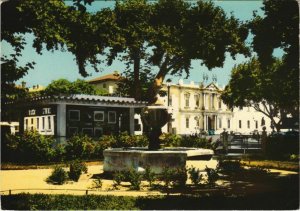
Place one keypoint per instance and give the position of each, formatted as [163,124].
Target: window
[137,126]
[197,100]
[73,131]
[32,121]
[43,123]
[187,100]
[99,116]
[98,132]
[87,131]
[220,123]
[256,124]
[187,122]
[49,122]
[220,104]
[248,124]
[112,116]
[198,122]
[38,123]
[74,115]
[26,124]
[240,123]
[228,123]
[87,116]
[104,85]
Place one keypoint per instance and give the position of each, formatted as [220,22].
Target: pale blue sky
[54,65]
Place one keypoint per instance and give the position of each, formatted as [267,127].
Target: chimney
[33,87]
[37,86]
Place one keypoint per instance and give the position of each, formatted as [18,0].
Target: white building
[196,107]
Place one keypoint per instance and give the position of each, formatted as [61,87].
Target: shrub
[196,141]
[126,140]
[58,176]
[170,140]
[118,177]
[280,147]
[212,176]
[76,169]
[179,177]
[97,184]
[135,179]
[230,166]
[29,147]
[149,176]
[195,175]
[79,147]
[167,176]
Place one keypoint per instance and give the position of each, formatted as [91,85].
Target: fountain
[154,117]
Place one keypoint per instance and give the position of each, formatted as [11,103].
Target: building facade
[63,116]
[196,107]
[108,82]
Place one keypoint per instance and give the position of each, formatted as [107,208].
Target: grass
[266,200]
[273,164]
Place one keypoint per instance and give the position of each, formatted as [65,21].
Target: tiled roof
[88,98]
[113,77]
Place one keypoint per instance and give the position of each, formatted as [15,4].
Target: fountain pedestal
[121,159]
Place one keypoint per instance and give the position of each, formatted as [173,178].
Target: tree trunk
[137,82]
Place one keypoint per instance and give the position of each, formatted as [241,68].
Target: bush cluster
[172,140]
[31,147]
[281,147]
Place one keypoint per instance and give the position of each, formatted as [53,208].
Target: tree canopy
[166,34]
[266,80]
[250,85]
[63,86]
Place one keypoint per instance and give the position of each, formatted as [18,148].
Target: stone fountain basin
[139,158]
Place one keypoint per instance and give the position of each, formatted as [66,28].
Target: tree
[250,85]
[126,84]
[63,86]
[272,82]
[282,23]
[167,34]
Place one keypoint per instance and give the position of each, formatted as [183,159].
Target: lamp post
[169,86]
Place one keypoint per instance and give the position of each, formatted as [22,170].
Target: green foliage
[63,86]
[149,176]
[212,176]
[58,176]
[167,176]
[79,147]
[97,184]
[76,169]
[195,175]
[179,177]
[280,147]
[30,147]
[68,202]
[135,179]
[127,85]
[229,166]
[170,140]
[118,177]
[195,141]
[294,157]
[287,199]
[126,140]
[261,88]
